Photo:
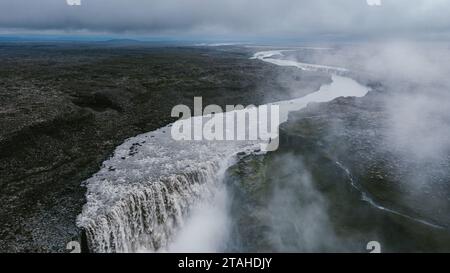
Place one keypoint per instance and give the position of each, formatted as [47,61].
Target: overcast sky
[294,19]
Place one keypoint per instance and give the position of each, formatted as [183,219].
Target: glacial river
[159,194]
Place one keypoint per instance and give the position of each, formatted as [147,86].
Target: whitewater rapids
[154,193]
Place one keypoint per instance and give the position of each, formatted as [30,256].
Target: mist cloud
[415,124]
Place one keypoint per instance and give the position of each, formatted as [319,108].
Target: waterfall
[148,216]
[142,195]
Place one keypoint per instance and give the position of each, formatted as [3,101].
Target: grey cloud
[253,18]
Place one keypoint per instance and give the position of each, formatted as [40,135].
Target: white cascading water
[159,194]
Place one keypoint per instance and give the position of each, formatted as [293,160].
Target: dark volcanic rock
[356,132]
[302,198]
[65,107]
